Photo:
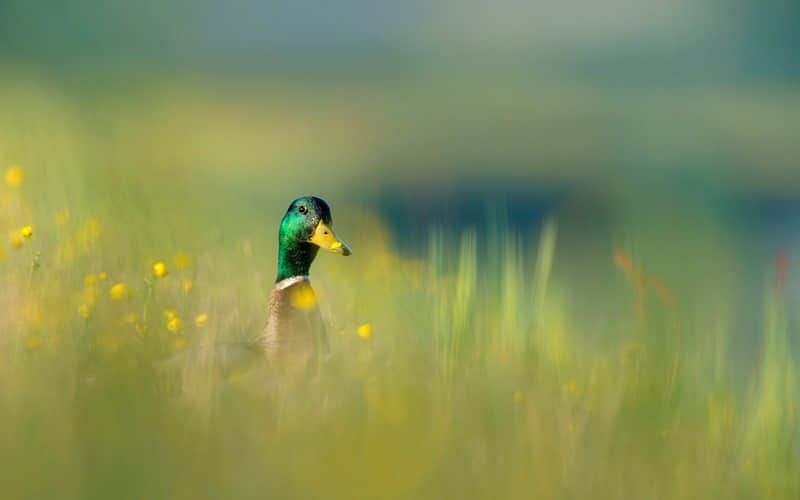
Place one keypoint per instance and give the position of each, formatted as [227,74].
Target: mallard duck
[294,334]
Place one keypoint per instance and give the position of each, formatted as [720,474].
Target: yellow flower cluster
[175,325]
[160,269]
[18,237]
[80,240]
[364,331]
[120,291]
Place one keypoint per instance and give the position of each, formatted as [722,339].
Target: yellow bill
[325,238]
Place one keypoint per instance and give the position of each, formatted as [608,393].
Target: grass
[495,364]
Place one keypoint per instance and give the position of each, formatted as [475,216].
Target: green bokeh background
[493,167]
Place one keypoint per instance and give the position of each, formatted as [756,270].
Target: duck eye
[302,209]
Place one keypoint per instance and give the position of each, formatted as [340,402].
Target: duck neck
[295,258]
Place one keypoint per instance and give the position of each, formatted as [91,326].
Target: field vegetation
[616,344]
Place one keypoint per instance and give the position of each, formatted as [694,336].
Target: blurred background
[623,116]
[451,140]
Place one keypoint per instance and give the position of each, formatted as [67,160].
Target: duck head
[305,228]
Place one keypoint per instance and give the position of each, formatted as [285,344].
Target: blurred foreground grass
[497,365]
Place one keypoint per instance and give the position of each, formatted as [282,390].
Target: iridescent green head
[305,229]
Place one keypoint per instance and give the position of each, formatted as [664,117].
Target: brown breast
[294,333]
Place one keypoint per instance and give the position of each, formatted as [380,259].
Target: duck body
[294,336]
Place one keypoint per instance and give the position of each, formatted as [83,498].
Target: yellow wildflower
[175,325]
[102,276]
[84,311]
[179,343]
[26,231]
[303,298]
[14,176]
[517,397]
[90,280]
[187,285]
[34,341]
[120,291]
[201,320]
[169,313]
[364,331]
[182,261]
[160,269]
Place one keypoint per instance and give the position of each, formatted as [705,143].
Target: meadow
[622,342]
